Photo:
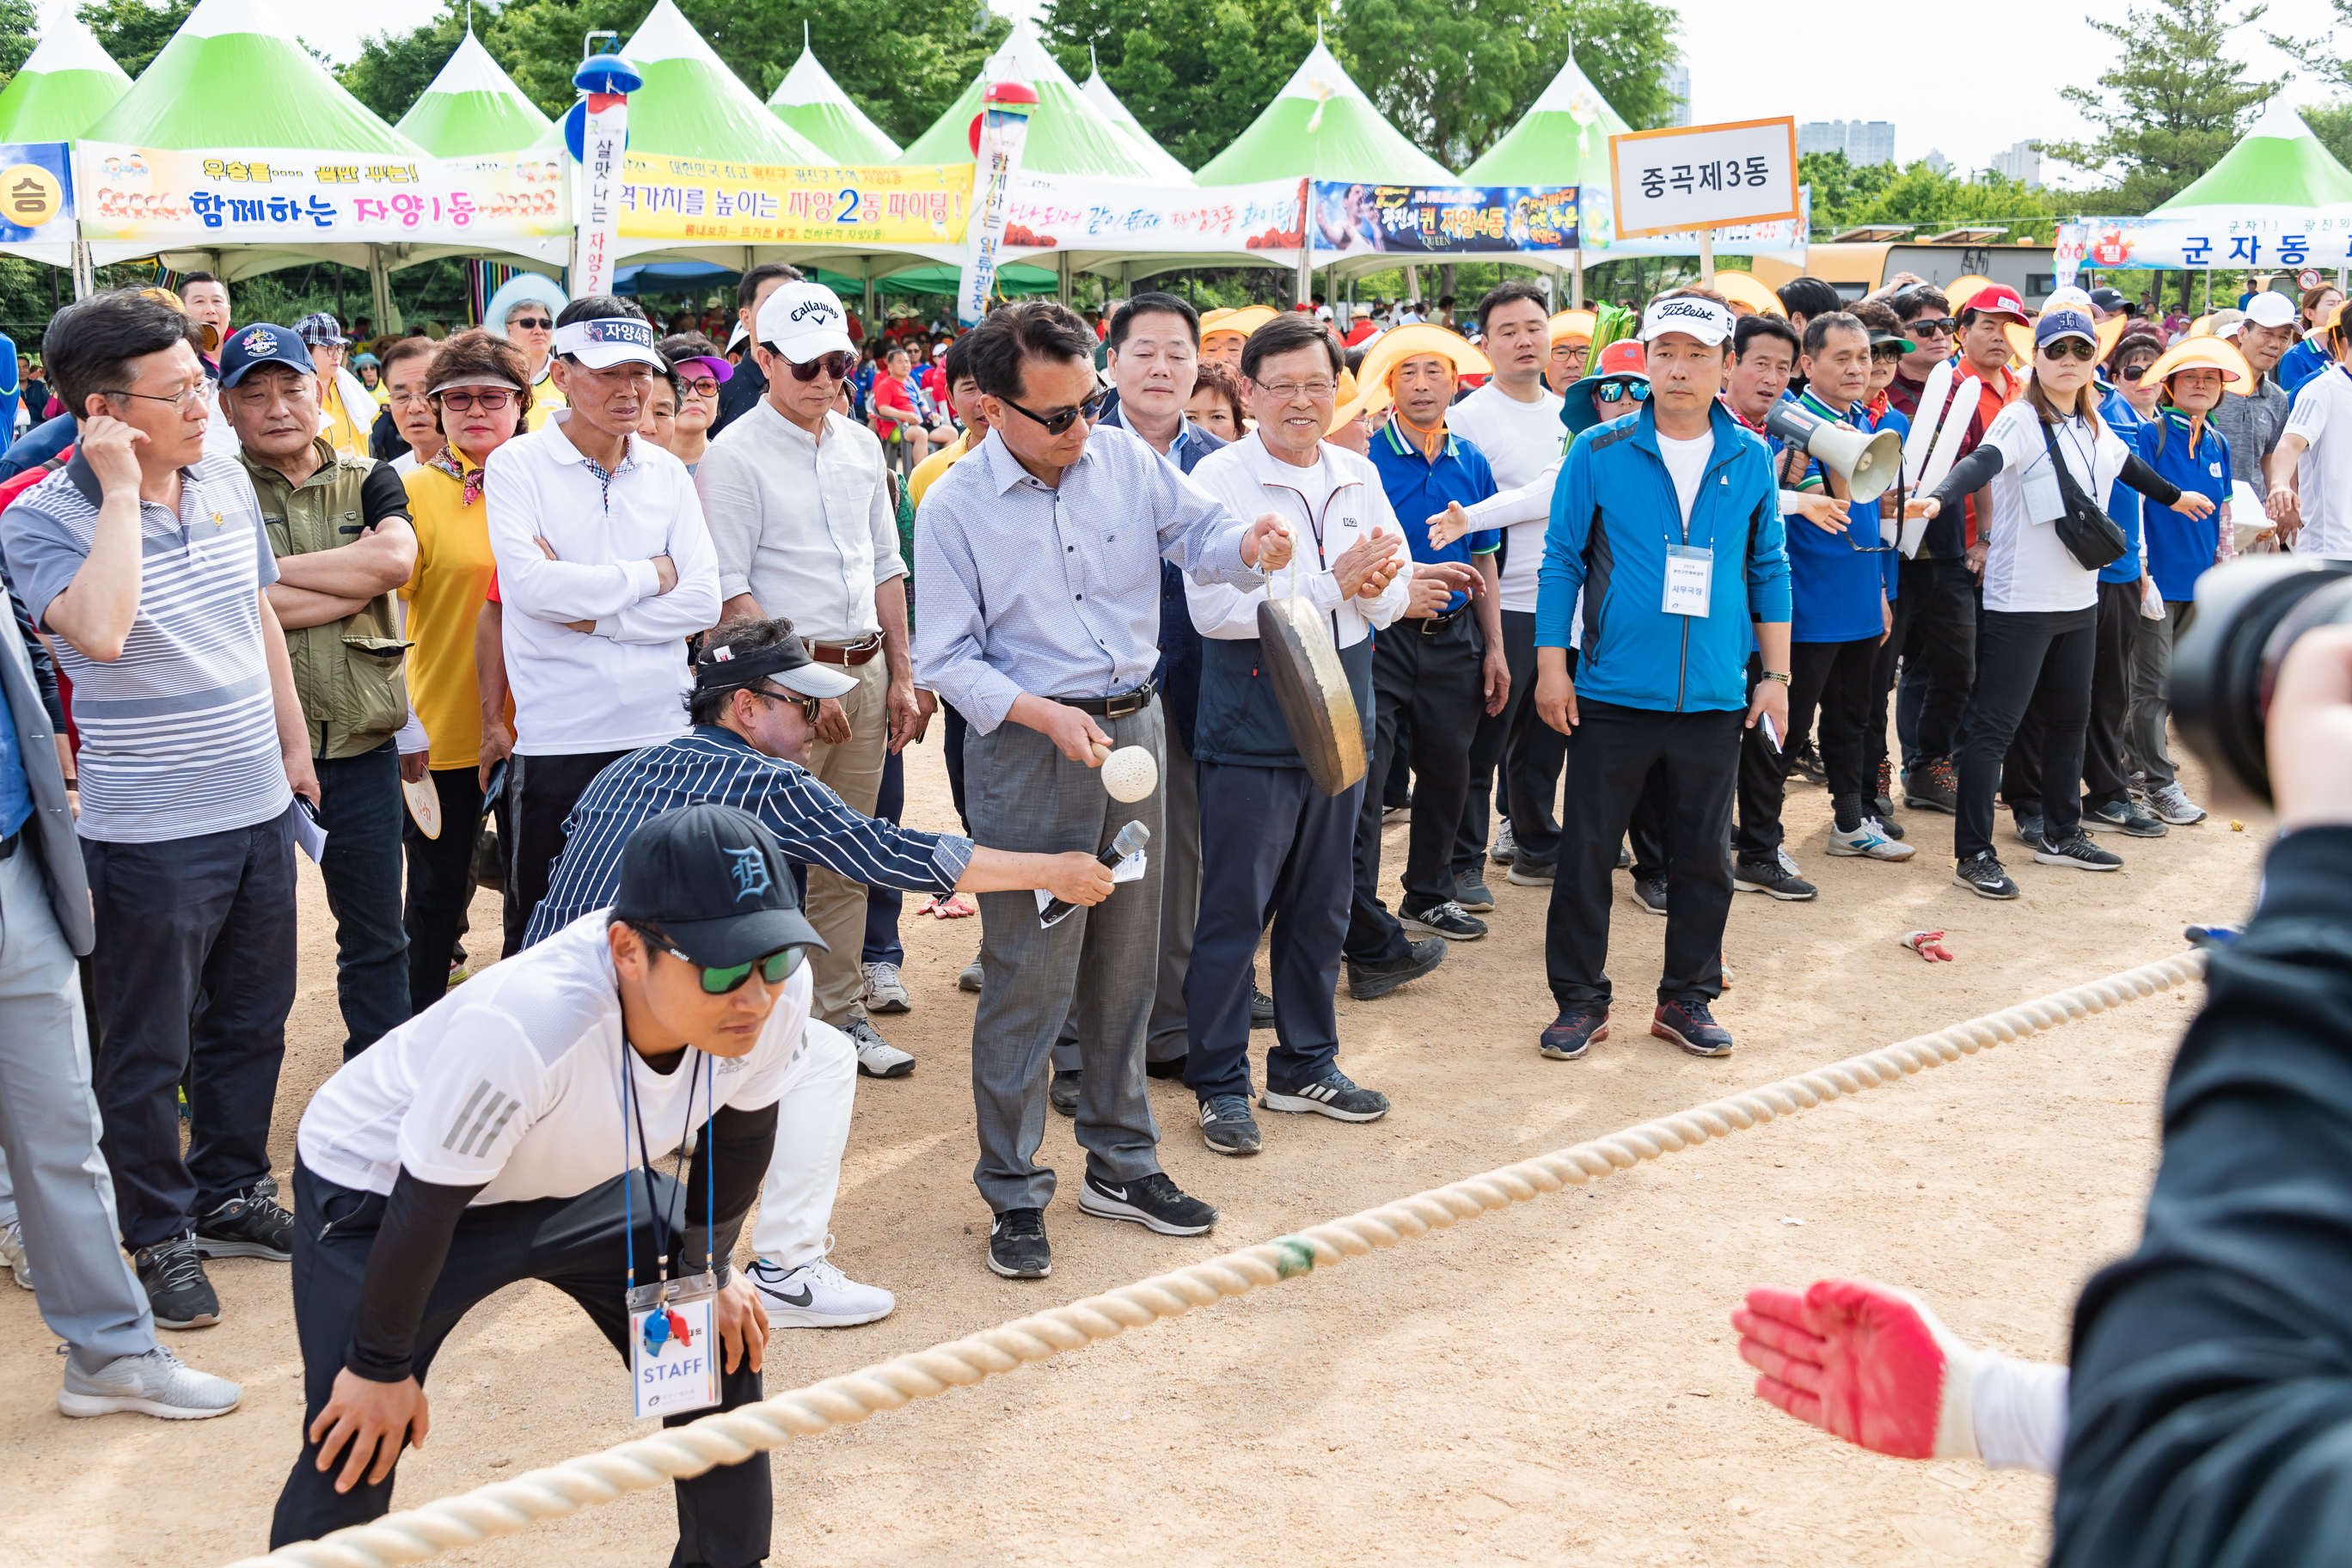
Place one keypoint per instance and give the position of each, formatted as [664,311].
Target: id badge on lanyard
[1690,580]
[673,1327]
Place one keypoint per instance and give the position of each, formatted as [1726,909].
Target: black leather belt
[1431,625]
[1116,706]
[8,845]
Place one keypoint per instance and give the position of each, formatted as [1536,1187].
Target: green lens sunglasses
[775,968]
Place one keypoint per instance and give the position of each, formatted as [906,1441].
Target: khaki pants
[837,906]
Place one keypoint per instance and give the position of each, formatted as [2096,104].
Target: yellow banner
[709,201]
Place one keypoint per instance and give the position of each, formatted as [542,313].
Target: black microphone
[1130,838]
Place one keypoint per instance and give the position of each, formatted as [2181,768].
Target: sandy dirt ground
[1556,1383]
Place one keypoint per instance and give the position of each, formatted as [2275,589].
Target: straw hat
[1245,319]
[1403,343]
[1573,324]
[1353,398]
[2220,353]
[1743,288]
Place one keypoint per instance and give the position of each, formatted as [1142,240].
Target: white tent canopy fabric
[810,102]
[1162,163]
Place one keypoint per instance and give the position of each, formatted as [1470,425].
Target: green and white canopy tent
[67,82]
[1322,126]
[1068,133]
[810,102]
[473,108]
[1099,93]
[1561,140]
[2277,170]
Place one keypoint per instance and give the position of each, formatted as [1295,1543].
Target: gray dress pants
[2144,739]
[1097,968]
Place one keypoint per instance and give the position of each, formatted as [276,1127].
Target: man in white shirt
[1297,857]
[803,524]
[605,570]
[1514,419]
[2311,470]
[508,1134]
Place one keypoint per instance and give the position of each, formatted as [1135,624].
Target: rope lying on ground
[506,1507]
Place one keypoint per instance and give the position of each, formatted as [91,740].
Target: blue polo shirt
[2299,365]
[1419,489]
[2180,548]
[1837,587]
[2123,502]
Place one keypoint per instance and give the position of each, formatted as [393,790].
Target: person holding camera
[2043,458]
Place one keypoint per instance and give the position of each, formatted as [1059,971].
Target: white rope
[508,1507]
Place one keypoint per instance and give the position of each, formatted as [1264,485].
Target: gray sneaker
[2127,816]
[156,1384]
[1470,892]
[877,1057]
[971,978]
[1505,845]
[12,1253]
[2171,803]
[1227,1125]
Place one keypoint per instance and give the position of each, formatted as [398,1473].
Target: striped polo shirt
[179,736]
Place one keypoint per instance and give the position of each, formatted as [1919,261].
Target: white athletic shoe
[155,1383]
[12,1253]
[884,992]
[877,1057]
[817,1296]
[1867,840]
[2171,803]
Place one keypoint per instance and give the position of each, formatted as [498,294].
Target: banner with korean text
[287,196]
[37,201]
[704,201]
[1079,212]
[1784,240]
[1442,220]
[2255,244]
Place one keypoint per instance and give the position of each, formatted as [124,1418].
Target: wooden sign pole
[1707,258]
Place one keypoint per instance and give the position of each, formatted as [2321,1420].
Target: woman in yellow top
[480,387]
[523,313]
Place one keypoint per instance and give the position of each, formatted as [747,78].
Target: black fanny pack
[2089,534]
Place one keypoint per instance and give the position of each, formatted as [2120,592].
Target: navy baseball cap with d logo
[713,880]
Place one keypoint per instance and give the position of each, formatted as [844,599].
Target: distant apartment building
[1863,142]
[2020,163]
[1678,86]
[1936,163]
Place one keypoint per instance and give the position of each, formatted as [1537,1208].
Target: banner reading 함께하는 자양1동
[1353,218]
[279,195]
[709,201]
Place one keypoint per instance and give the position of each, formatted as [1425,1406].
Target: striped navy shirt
[813,826]
[179,736]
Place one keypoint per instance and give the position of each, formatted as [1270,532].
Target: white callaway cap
[601,343]
[804,322]
[1705,319]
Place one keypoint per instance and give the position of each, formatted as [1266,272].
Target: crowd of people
[622,622]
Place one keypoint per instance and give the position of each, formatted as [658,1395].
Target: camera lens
[2249,613]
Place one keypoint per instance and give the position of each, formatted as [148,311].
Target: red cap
[1623,357]
[2000,300]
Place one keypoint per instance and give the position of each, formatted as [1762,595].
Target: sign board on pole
[599,207]
[1704,176]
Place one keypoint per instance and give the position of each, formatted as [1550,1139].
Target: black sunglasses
[2134,371]
[539,323]
[1617,391]
[2071,348]
[837,365]
[775,968]
[1931,326]
[807,705]
[1055,424]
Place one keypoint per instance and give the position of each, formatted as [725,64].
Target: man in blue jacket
[1668,519]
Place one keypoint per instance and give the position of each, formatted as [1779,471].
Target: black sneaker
[250,1225]
[1931,787]
[1750,877]
[178,1291]
[1470,893]
[1152,1201]
[1624,856]
[1172,1068]
[1445,920]
[1529,872]
[1261,1009]
[2126,817]
[2078,852]
[1061,1093]
[1690,1026]
[2029,829]
[1807,765]
[1366,981]
[1881,814]
[1017,1247]
[1983,875]
[1334,1095]
[1650,893]
[1572,1035]
[1227,1125]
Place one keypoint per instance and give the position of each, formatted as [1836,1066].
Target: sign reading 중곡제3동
[1704,176]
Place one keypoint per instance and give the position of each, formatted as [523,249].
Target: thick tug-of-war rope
[506,1507]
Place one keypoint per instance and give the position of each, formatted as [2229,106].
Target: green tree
[1845,196]
[18,34]
[2169,107]
[394,69]
[133,31]
[1195,75]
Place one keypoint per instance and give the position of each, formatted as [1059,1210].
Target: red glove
[1862,1362]
[1929,945]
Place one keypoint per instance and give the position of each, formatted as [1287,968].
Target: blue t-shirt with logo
[2181,548]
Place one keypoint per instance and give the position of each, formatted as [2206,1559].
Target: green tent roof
[1099,94]
[1321,125]
[234,77]
[1561,140]
[67,83]
[810,102]
[472,108]
[1067,134]
[2278,167]
[1011,278]
[693,106]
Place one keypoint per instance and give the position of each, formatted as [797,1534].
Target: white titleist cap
[1705,319]
[804,322]
[602,342]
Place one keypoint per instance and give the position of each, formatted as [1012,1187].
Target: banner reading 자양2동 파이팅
[710,200]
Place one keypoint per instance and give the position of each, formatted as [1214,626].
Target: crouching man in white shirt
[510,1131]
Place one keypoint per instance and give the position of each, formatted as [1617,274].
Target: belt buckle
[1126,703]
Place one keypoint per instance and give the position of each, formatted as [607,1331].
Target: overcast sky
[2005,61]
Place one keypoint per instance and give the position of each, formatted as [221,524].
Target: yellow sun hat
[1244,319]
[1573,324]
[1745,289]
[1401,343]
[2196,354]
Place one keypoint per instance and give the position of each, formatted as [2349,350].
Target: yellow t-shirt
[937,463]
[343,429]
[544,399]
[445,595]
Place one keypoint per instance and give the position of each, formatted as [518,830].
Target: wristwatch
[1779,675]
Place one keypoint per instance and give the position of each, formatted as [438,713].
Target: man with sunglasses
[511,1131]
[605,570]
[756,691]
[805,525]
[1040,562]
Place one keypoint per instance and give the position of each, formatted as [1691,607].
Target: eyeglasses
[701,386]
[1618,390]
[807,705]
[775,968]
[533,323]
[2134,371]
[411,399]
[2072,348]
[1930,327]
[178,400]
[1285,391]
[1054,424]
[489,399]
[836,366]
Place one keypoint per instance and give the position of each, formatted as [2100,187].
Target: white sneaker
[155,1383]
[817,1296]
[2171,803]
[877,1057]
[1867,840]
[885,992]
[12,1253]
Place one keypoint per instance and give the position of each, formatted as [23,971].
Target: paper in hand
[1128,870]
[308,837]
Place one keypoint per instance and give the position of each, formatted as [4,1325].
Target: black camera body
[2249,613]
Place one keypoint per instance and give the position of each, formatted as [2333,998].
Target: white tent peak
[807,82]
[1319,76]
[1024,56]
[221,19]
[472,70]
[666,35]
[1572,93]
[68,45]
[2281,121]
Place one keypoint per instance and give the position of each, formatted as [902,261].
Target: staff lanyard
[630,1105]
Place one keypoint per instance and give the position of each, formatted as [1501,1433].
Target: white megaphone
[1869,463]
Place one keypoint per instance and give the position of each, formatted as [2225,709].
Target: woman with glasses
[2040,603]
[699,370]
[523,313]
[478,398]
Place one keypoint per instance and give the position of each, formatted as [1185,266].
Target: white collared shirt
[1328,507]
[623,685]
[805,526]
